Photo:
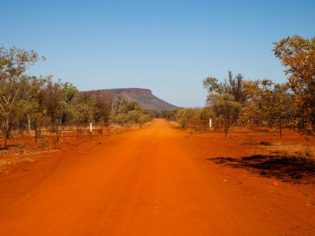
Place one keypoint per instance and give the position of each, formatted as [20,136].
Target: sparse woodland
[241,102]
[31,103]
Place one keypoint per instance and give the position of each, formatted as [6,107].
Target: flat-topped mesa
[139,91]
[132,91]
[120,91]
[144,97]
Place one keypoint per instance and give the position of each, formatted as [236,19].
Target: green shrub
[185,115]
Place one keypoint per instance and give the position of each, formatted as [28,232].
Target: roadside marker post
[91,127]
[210,123]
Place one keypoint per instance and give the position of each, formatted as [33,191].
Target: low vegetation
[296,150]
[264,103]
[191,117]
[30,103]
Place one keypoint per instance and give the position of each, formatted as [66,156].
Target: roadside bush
[185,115]
[168,114]
[144,118]
[130,113]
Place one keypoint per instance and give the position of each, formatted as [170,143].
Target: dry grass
[7,163]
[296,150]
[10,160]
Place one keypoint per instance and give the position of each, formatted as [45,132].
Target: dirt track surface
[153,181]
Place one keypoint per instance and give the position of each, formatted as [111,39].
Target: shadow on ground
[288,169]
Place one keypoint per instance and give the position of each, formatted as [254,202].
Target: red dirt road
[153,181]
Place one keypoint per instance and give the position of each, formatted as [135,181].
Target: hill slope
[144,97]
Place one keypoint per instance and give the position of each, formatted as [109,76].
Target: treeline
[29,102]
[241,102]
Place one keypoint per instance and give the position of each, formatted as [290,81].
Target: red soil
[153,181]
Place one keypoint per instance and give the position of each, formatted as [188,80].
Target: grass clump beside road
[296,150]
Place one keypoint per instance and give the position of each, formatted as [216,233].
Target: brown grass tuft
[297,150]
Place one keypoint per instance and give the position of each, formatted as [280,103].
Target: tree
[84,108]
[213,85]
[282,100]
[251,109]
[53,102]
[298,56]
[225,99]
[104,104]
[233,86]
[13,64]
[125,112]
[69,91]
[258,106]
[167,114]
[186,117]
[36,112]
[266,103]
[224,106]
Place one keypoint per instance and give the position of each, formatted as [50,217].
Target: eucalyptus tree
[298,56]
[13,64]
[225,99]
[226,108]
[282,105]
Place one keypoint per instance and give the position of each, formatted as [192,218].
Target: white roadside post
[91,127]
[210,123]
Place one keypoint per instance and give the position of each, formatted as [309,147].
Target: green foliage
[184,116]
[53,101]
[225,107]
[83,109]
[127,112]
[103,108]
[33,102]
[168,114]
[258,106]
[225,99]
[212,85]
[13,63]
[233,86]
[68,91]
[144,118]
[298,56]
[259,102]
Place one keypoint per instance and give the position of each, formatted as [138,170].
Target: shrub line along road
[152,181]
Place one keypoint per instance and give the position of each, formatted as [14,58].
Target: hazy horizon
[168,47]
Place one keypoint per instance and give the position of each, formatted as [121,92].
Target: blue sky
[166,46]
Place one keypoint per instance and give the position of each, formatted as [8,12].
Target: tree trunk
[6,132]
[36,132]
[5,143]
[29,123]
[280,126]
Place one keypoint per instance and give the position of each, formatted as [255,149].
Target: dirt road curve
[154,181]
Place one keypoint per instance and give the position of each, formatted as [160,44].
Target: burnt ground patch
[285,168]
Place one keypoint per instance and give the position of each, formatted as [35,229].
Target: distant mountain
[143,97]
